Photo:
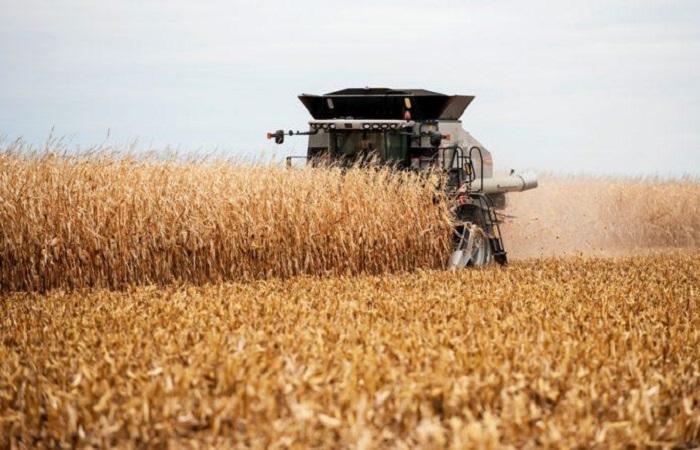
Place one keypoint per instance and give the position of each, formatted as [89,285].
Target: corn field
[591,353]
[202,303]
[70,222]
[110,221]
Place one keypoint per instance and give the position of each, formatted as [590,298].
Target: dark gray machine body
[416,129]
[408,118]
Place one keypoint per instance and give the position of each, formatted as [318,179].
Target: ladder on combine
[484,203]
[491,223]
[461,176]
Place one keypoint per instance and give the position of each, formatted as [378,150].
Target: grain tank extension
[418,130]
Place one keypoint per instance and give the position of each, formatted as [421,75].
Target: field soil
[579,352]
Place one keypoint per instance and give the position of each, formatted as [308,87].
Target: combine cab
[415,129]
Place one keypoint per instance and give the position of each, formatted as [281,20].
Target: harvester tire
[472,247]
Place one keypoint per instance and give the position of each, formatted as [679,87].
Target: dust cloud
[590,216]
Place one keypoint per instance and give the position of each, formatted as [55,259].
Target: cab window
[389,146]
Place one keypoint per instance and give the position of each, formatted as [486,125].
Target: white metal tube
[510,183]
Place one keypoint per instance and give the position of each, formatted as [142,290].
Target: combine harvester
[415,129]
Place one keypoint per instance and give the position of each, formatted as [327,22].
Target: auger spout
[503,184]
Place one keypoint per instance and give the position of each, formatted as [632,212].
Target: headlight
[385,126]
[365,126]
[375,126]
[331,126]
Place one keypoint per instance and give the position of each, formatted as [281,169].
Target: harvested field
[555,353]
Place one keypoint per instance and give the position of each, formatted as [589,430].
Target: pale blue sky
[595,86]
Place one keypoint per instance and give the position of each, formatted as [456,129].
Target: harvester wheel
[472,247]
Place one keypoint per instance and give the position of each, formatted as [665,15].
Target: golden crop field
[169,303]
[70,222]
[601,353]
[109,221]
